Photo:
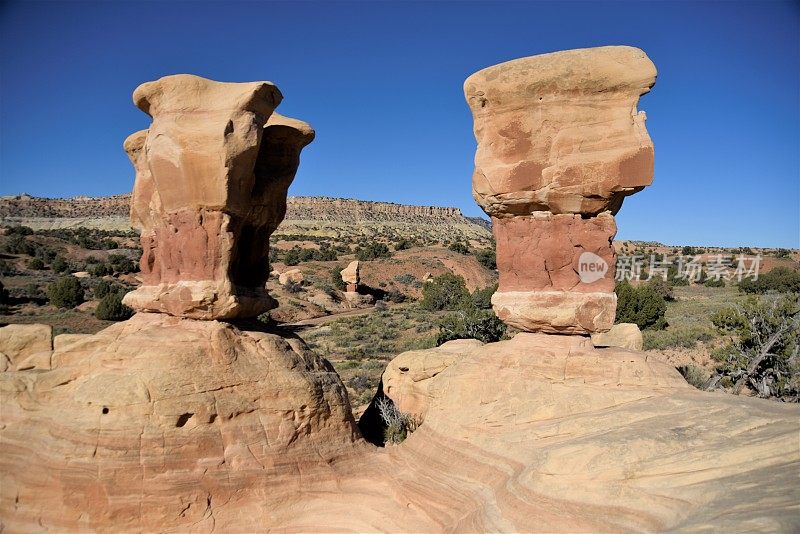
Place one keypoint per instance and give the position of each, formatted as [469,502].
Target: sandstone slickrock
[545,433]
[560,145]
[166,421]
[21,341]
[212,173]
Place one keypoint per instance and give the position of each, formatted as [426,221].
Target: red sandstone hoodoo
[560,145]
[212,173]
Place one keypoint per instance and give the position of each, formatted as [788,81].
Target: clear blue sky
[382,85]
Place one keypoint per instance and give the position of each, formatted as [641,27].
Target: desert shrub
[482,298]
[381,305]
[397,424]
[36,264]
[19,245]
[121,264]
[662,287]
[372,251]
[102,289]
[403,244]
[100,269]
[292,257]
[694,375]
[642,305]
[445,292]
[781,279]
[487,258]
[60,265]
[669,338]
[783,253]
[66,292]
[111,308]
[336,279]
[396,296]
[294,287]
[459,247]
[470,323]
[711,282]
[19,230]
[406,279]
[764,347]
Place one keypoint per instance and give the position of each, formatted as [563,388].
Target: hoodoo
[560,145]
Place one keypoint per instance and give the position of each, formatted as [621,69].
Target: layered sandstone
[212,173]
[161,421]
[565,437]
[560,145]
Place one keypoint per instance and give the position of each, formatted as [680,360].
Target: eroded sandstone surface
[212,173]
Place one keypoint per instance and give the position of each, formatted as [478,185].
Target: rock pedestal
[212,173]
[560,145]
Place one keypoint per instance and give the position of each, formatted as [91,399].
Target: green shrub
[459,247]
[19,245]
[373,251]
[482,298]
[60,265]
[100,269]
[111,308]
[781,279]
[65,292]
[19,230]
[445,292]
[487,258]
[403,244]
[642,305]
[36,264]
[470,323]
[102,289]
[336,279]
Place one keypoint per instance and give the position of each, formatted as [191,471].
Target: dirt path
[318,321]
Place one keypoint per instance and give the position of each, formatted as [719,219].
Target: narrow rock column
[212,174]
[560,145]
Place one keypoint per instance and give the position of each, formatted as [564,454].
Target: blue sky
[382,85]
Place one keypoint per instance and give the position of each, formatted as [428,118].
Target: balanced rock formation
[212,173]
[350,276]
[560,145]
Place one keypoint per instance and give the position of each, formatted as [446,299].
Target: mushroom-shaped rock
[560,145]
[212,174]
[350,274]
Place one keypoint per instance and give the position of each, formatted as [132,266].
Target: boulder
[560,145]
[212,173]
[292,276]
[350,274]
[20,341]
[623,335]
